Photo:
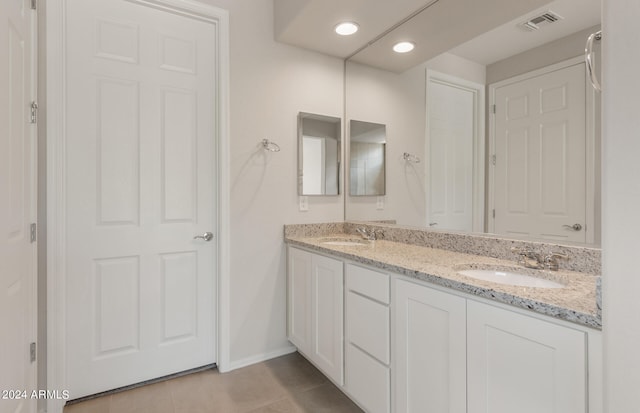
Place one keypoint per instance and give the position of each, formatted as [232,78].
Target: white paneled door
[17,208]
[140,184]
[455,152]
[451,132]
[540,156]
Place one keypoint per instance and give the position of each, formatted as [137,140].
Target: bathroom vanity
[400,328]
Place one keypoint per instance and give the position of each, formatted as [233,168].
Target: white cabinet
[518,363]
[367,339]
[299,299]
[405,347]
[457,355]
[430,350]
[315,310]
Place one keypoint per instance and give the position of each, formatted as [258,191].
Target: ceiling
[310,23]
[482,31]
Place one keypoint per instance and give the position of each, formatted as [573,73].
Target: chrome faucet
[528,258]
[531,259]
[370,235]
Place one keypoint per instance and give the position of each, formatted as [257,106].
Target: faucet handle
[522,255]
[551,260]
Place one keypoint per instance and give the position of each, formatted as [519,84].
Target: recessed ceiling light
[347,28]
[403,47]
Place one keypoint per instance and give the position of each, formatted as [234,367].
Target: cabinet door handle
[575,227]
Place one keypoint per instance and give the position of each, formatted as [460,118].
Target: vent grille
[543,19]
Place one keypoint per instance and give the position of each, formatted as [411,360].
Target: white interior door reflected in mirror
[367,149]
[318,154]
[455,153]
[540,145]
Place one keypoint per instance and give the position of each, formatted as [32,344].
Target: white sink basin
[510,278]
[346,243]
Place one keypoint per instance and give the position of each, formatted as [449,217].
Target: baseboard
[143,383]
[233,365]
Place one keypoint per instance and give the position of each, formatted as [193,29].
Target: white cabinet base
[403,347]
[315,310]
[518,363]
[430,348]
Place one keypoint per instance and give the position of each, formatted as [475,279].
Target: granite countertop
[576,302]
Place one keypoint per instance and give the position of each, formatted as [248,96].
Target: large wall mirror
[503,126]
[319,152]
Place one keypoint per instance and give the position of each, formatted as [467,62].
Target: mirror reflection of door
[314,168]
[540,154]
[319,154]
[455,152]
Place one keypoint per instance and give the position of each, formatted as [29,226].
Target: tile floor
[288,384]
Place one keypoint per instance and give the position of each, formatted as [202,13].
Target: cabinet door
[327,302]
[430,350]
[518,363]
[299,299]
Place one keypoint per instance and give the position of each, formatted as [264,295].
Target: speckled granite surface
[581,258]
[577,302]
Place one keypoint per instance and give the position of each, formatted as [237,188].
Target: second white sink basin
[510,278]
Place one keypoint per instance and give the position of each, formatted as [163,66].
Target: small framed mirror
[367,153]
[319,154]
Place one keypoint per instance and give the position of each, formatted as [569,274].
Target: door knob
[575,227]
[207,236]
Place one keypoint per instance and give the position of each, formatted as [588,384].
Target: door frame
[478,91]
[56,190]
[590,139]
[33,336]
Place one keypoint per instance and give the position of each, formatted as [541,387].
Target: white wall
[270,84]
[398,101]
[620,205]
[459,67]
[541,56]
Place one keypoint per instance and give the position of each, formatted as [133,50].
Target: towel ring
[588,57]
[410,158]
[270,146]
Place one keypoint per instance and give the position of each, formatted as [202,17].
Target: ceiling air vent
[543,19]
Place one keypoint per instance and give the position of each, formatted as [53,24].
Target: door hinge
[493,109]
[494,213]
[493,160]
[33,231]
[34,4]
[32,351]
[34,112]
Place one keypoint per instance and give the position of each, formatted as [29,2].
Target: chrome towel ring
[588,58]
[410,158]
[270,146]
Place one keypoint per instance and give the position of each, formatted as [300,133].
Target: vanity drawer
[368,326]
[367,282]
[367,381]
